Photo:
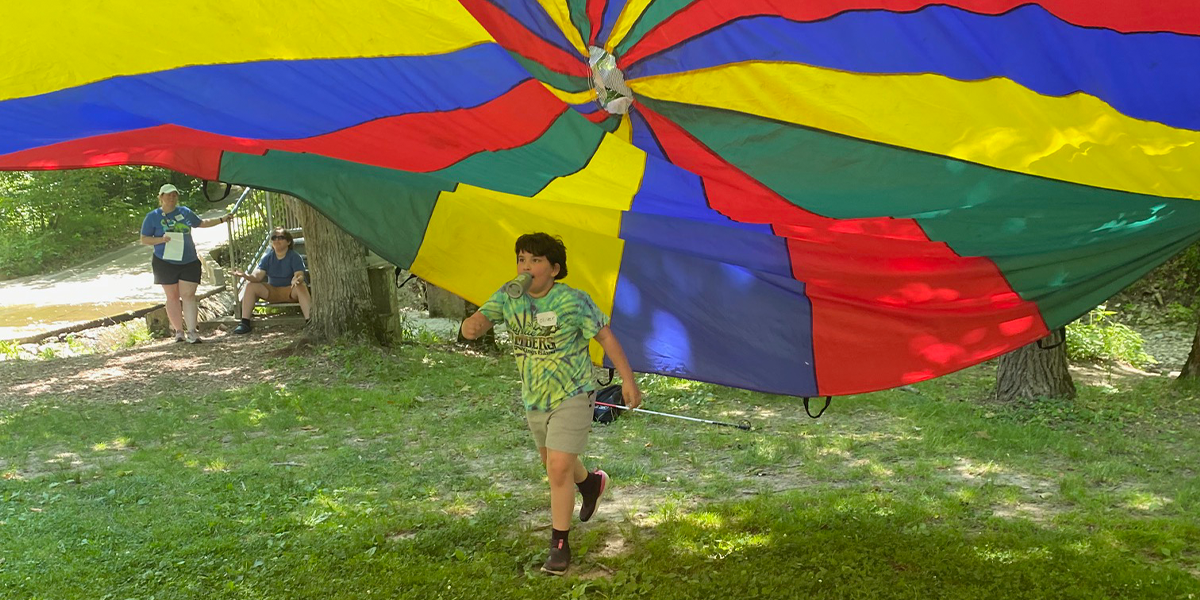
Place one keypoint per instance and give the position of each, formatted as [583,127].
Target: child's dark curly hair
[543,244]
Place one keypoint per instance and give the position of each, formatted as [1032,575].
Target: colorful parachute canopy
[807,198]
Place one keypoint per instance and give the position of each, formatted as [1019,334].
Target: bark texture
[1032,372]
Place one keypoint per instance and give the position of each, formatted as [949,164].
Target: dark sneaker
[559,559]
[243,327]
[591,500]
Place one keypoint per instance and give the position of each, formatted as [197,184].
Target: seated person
[283,268]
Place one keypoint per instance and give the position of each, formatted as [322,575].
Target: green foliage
[1178,313]
[9,349]
[131,334]
[1097,336]
[77,345]
[50,219]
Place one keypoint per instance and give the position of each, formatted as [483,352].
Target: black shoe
[591,498]
[559,559]
[243,327]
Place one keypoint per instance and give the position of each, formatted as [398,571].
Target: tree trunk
[340,288]
[444,304]
[1191,367]
[1031,372]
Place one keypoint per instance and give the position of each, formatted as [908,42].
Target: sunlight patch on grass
[216,465]
[969,470]
[965,495]
[723,548]
[1009,556]
[120,443]
[833,451]
[316,518]
[66,459]
[459,507]
[705,520]
[1081,547]
[255,416]
[870,467]
[1145,501]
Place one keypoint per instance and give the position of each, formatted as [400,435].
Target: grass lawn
[408,473]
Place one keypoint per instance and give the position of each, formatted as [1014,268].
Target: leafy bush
[130,334]
[1178,313]
[1096,336]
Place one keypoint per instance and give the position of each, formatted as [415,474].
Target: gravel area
[1168,345]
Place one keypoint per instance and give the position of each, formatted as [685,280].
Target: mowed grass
[408,473]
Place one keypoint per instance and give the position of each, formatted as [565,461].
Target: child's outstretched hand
[631,393]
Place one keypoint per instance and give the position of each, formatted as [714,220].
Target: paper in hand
[173,250]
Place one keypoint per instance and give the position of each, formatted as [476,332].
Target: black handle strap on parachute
[828,399]
[610,377]
[1061,333]
[204,188]
[400,284]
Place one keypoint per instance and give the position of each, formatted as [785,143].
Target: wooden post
[384,305]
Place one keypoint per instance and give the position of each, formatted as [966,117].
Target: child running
[550,326]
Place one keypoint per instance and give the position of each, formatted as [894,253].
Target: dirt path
[223,361]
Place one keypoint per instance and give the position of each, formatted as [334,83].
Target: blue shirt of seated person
[281,270]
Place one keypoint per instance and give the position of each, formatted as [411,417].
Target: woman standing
[175,264]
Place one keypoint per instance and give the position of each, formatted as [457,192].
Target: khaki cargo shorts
[566,427]
[278,295]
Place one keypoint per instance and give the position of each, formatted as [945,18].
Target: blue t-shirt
[177,222]
[281,270]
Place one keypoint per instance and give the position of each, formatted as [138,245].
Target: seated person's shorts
[566,427]
[276,295]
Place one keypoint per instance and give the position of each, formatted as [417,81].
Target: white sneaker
[193,337]
[179,336]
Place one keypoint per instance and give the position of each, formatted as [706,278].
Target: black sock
[556,535]
[245,321]
[590,484]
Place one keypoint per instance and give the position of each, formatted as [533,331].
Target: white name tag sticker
[547,319]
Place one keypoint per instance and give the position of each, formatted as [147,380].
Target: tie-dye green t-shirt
[550,341]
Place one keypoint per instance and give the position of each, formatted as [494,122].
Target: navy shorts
[168,273]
